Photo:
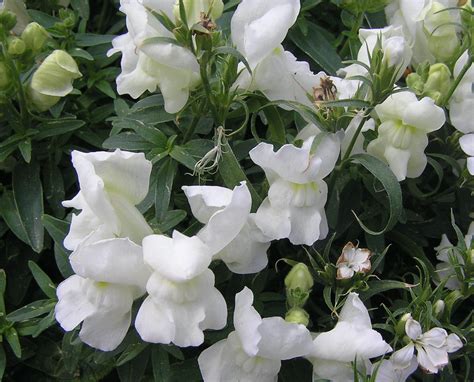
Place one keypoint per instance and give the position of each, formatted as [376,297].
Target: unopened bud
[400,328]
[395,52]
[299,277]
[16,46]
[197,10]
[438,83]
[438,308]
[35,37]
[297,316]
[7,20]
[416,83]
[53,79]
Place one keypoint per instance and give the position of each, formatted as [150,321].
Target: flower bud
[35,37]
[53,79]
[200,10]
[438,308]
[400,328]
[395,52]
[416,83]
[438,83]
[7,20]
[16,46]
[297,316]
[4,76]
[299,278]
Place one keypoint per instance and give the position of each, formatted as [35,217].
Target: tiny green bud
[400,328]
[297,316]
[438,308]
[299,277]
[415,82]
[7,20]
[35,37]
[16,46]
[4,76]
[53,79]
[438,83]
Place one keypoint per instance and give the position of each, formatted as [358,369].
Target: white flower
[402,136]
[18,7]
[352,338]
[353,260]
[396,52]
[253,352]
[461,105]
[467,145]
[247,253]
[432,347]
[147,65]
[112,184]
[447,253]
[183,301]
[258,28]
[105,238]
[294,207]
[394,369]
[428,26]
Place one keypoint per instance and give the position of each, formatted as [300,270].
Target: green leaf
[53,184]
[57,229]
[25,149]
[106,88]
[3,287]
[164,186]
[90,39]
[44,324]
[62,261]
[317,47]
[161,364]
[131,352]
[81,53]
[232,174]
[42,18]
[43,280]
[12,337]
[276,127]
[134,370]
[28,196]
[380,286]
[58,127]
[10,215]
[3,362]
[31,310]
[355,103]
[127,141]
[233,52]
[82,7]
[171,220]
[390,184]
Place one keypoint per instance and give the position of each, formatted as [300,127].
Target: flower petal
[205,201]
[424,115]
[413,328]
[154,324]
[247,322]
[453,343]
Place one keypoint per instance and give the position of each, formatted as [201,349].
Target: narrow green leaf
[171,220]
[233,52]
[90,39]
[58,127]
[3,287]
[164,186]
[390,184]
[44,324]
[3,362]
[28,195]
[43,280]
[12,337]
[25,149]
[11,216]
[276,127]
[31,310]
[57,228]
[134,370]
[127,141]
[131,352]
[380,286]
[161,364]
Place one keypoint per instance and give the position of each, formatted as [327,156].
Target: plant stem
[353,140]
[192,128]
[458,80]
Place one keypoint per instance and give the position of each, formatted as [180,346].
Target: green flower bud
[16,46]
[452,298]
[438,308]
[7,20]
[4,76]
[297,316]
[200,10]
[35,37]
[438,83]
[400,328]
[416,83]
[299,277]
[53,79]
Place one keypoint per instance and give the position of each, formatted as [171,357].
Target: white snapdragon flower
[446,252]
[351,339]
[432,347]
[247,253]
[294,208]
[254,351]
[429,27]
[394,369]
[183,301]
[461,105]
[147,65]
[402,136]
[353,260]
[105,238]
[397,53]
[467,145]
[258,28]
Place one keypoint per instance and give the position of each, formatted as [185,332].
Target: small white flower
[294,207]
[402,136]
[394,369]
[467,145]
[353,260]
[351,339]
[254,351]
[432,347]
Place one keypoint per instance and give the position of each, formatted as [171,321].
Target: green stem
[207,87]
[354,31]
[458,80]
[353,140]
[192,128]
